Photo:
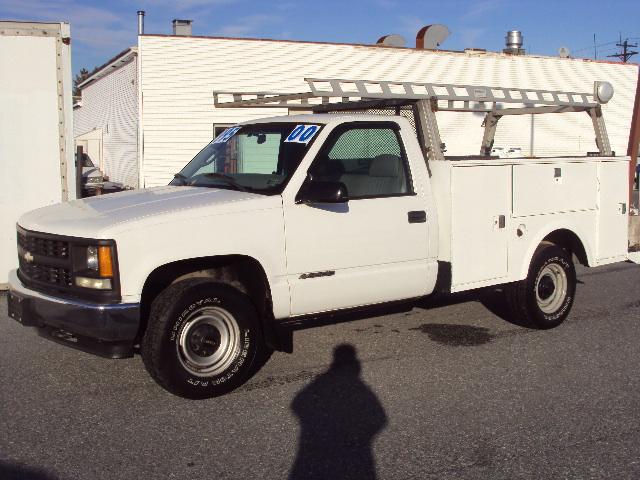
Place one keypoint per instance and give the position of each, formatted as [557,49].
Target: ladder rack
[327,95]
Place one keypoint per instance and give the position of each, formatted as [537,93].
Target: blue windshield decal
[302,133]
[225,136]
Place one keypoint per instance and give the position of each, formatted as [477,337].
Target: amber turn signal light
[105,261]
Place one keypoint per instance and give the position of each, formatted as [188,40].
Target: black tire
[191,324]
[544,299]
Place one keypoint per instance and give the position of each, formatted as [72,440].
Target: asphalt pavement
[447,389]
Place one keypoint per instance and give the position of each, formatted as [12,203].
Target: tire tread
[156,330]
[517,293]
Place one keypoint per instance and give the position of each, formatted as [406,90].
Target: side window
[368,160]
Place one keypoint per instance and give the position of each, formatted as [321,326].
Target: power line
[625,54]
[592,46]
[596,46]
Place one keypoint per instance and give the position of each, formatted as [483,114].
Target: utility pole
[625,54]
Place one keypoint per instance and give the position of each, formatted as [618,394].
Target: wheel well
[570,242]
[243,272]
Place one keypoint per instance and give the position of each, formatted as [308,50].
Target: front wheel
[544,299]
[203,339]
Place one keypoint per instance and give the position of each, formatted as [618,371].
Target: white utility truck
[296,216]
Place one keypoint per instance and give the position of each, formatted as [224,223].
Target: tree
[80,77]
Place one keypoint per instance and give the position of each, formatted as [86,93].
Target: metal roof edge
[466,52]
[116,62]
[29,24]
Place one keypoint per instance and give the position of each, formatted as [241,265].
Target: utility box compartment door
[613,215]
[542,188]
[481,209]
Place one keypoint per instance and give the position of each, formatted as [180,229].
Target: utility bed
[491,212]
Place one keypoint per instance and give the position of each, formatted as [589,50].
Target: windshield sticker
[226,135]
[302,133]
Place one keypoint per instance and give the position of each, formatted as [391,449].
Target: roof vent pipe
[514,41]
[140,22]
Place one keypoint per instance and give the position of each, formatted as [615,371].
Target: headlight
[98,268]
[92,258]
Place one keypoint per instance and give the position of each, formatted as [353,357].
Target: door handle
[418,216]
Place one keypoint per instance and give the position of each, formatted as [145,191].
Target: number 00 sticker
[302,133]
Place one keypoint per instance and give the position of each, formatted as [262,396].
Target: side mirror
[316,191]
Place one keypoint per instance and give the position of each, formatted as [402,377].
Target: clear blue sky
[102,29]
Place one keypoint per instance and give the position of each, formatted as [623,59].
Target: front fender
[256,234]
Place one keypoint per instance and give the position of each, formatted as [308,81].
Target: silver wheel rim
[208,341]
[551,288]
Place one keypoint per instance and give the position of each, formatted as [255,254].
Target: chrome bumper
[106,330]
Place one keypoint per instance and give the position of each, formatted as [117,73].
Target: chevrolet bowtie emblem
[28,257]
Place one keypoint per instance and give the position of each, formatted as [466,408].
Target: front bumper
[105,330]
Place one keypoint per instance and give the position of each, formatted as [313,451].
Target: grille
[43,246]
[50,263]
[56,276]
[44,260]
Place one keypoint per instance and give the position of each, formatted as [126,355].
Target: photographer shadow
[339,417]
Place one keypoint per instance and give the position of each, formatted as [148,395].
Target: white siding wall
[178,75]
[111,103]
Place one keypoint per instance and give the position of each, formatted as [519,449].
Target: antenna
[564,52]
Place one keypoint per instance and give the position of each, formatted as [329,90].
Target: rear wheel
[203,339]
[544,299]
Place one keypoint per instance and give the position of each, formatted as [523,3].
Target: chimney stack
[182,27]
[514,42]
[140,22]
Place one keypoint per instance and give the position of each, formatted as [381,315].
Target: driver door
[373,248]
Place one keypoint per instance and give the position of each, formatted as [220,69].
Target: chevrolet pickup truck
[299,215]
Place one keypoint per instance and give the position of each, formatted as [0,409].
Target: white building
[149,110]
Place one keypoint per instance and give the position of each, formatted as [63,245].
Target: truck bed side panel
[586,196]
[555,187]
[612,212]
[481,203]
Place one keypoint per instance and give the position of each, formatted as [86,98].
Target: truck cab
[305,214]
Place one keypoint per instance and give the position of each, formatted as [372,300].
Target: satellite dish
[392,40]
[564,52]
[431,36]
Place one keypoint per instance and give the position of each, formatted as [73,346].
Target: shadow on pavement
[454,335]
[17,471]
[339,418]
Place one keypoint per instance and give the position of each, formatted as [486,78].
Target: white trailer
[36,141]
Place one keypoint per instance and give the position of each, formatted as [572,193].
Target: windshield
[257,158]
